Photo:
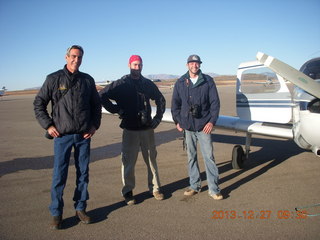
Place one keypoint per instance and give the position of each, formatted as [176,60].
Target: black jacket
[132,97]
[74,99]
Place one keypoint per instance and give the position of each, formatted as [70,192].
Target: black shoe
[56,222]
[83,217]
[129,199]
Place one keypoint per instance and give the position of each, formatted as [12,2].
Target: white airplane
[272,109]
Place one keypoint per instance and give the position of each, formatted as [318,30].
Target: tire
[237,157]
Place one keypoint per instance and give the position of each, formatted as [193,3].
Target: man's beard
[135,73]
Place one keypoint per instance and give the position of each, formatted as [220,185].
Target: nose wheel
[238,157]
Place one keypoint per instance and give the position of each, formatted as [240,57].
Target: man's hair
[75,47]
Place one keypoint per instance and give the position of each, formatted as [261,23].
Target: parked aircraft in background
[2,91]
[272,109]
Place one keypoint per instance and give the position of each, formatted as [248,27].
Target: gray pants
[132,141]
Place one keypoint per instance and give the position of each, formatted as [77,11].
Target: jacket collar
[200,80]
[69,74]
[136,81]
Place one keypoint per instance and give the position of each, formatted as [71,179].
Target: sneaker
[56,222]
[190,192]
[217,196]
[129,199]
[83,217]
[158,195]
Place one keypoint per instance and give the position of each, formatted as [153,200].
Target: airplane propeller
[291,74]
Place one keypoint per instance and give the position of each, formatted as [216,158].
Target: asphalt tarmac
[260,200]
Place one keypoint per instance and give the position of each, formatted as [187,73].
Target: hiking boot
[217,196]
[158,195]
[56,222]
[129,199]
[83,217]
[190,192]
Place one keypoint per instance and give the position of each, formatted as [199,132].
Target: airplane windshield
[312,68]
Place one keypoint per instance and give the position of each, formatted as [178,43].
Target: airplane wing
[236,124]
[254,127]
[239,125]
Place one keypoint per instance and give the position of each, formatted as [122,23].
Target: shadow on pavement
[97,154]
[281,151]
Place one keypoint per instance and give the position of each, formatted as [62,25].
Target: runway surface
[259,202]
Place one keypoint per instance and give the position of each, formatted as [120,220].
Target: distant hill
[34,88]
[212,74]
[170,76]
[153,77]
[161,76]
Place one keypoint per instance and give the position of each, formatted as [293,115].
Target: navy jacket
[186,95]
[75,102]
[132,96]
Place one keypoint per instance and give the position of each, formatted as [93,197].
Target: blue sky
[36,33]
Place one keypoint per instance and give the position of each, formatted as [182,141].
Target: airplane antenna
[314,53]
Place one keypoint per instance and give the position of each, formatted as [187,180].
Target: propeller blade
[291,74]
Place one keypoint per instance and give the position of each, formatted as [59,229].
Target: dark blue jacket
[186,95]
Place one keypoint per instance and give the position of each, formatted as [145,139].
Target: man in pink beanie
[132,94]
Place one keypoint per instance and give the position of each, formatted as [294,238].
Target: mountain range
[150,76]
[169,76]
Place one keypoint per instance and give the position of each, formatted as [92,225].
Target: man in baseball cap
[195,109]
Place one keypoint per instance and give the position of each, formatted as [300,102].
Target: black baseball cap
[194,58]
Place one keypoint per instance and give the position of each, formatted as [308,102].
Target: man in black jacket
[132,94]
[76,115]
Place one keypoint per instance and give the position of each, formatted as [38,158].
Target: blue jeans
[207,153]
[62,152]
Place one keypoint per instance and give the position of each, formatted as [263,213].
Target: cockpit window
[259,80]
[312,68]
[314,106]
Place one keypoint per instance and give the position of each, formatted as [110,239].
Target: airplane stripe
[265,106]
[266,102]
